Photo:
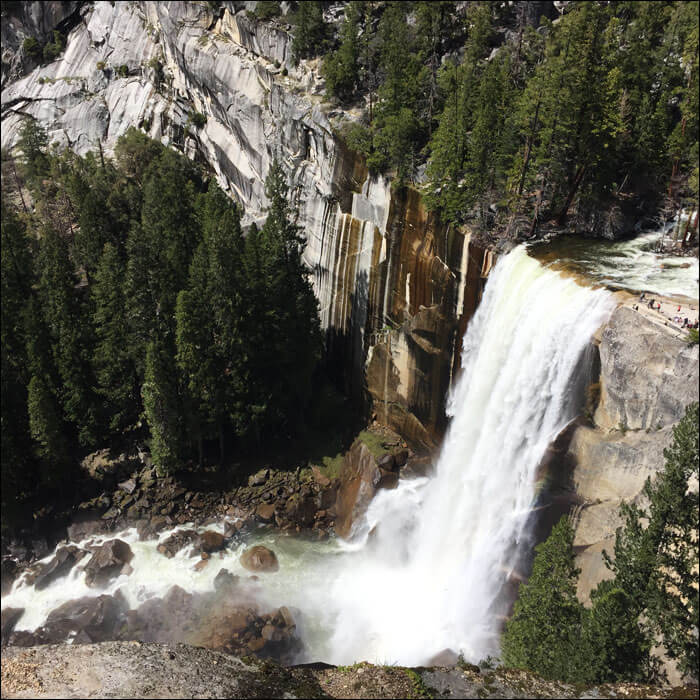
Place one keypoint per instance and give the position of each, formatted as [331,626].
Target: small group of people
[682,321]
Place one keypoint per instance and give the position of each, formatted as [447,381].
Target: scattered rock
[385,479]
[201,564]
[259,558]
[99,618]
[321,480]
[107,562]
[388,462]
[225,581]
[175,542]
[446,657]
[211,541]
[401,457]
[62,562]
[10,570]
[265,512]
[418,467]
[259,478]
[129,486]
[8,619]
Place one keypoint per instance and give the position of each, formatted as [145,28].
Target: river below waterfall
[429,566]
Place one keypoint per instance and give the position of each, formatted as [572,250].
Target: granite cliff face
[647,378]
[393,286]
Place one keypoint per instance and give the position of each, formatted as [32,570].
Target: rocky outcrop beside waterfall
[386,274]
[647,378]
[134,670]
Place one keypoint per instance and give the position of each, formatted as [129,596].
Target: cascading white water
[427,566]
[428,577]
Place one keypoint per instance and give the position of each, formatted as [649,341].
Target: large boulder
[98,619]
[211,541]
[8,620]
[259,558]
[107,468]
[63,561]
[360,478]
[109,560]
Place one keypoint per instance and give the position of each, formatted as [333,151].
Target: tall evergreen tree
[309,30]
[33,142]
[341,68]
[656,564]
[209,317]
[542,633]
[162,404]
[69,331]
[114,368]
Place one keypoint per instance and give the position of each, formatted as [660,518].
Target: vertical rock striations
[393,285]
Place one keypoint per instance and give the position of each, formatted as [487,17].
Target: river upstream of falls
[426,569]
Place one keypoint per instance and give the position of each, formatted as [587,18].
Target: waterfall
[427,567]
[435,553]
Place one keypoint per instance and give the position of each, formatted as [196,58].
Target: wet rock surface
[259,558]
[62,562]
[110,560]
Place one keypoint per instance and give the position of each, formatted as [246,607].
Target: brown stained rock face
[359,479]
[259,558]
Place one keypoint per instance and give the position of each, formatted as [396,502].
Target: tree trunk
[561,219]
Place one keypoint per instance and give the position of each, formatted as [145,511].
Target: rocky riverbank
[134,670]
[196,529]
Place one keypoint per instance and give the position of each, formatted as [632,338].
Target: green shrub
[32,47]
[54,48]
[693,336]
[357,137]
[198,120]
[123,71]
[101,65]
[285,71]
[266,9]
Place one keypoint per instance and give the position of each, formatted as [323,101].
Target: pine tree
[309,30]
[114,370]
[657,564]
[209,317]
[45,424]
[68,332]
[341,68]
[542,633]
[33,142]
[283,323]
[16,272]
[450,145]
[162,405]
[614,646]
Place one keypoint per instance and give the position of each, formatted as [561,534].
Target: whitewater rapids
[426,568]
